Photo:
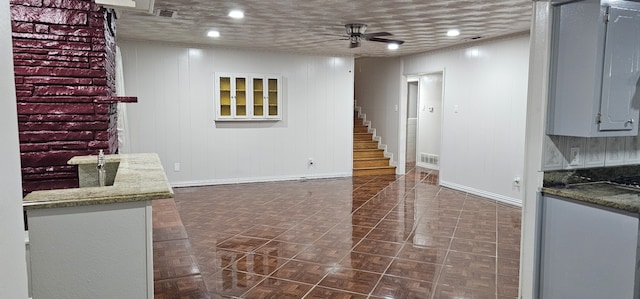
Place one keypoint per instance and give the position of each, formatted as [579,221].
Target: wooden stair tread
[371,159]
[375,167]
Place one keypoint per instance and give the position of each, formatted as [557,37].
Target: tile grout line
[439,275]
[404,243]
[327,274]
[395,187]
[360,241]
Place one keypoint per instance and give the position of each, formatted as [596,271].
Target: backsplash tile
[552,157]
[632,149]
[595,152]
[614,152]
[592,152]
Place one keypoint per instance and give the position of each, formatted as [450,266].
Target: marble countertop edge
[600,193]
[140,177]
[47,204]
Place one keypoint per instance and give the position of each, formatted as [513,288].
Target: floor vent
[429,159]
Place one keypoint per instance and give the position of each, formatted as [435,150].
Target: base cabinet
[586,252]
[95,251]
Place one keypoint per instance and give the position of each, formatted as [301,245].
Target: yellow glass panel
[241,84]
[273,85]
[258,84]
[225,98]
[241,110]
[225,110]
[225,83]
[273,97]
[241,97]
[258,97]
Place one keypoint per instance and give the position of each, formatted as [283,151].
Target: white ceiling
[315,26]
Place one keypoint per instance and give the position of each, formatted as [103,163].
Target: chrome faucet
[101,169]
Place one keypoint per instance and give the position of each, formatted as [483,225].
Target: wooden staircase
[368,159]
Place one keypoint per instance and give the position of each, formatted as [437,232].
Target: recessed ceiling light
[213,33]
[236,14]
[393,46]
[453,32]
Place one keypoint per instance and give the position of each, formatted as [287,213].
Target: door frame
[402,130]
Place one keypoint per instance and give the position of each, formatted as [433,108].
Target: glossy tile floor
[361,237]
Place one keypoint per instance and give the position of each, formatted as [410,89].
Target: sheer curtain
[123,127]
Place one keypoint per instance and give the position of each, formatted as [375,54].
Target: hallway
[363,237]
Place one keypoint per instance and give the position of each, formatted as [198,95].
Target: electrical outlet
[176,167]
[310,162]
[574,156]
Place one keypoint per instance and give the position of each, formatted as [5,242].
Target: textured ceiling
[315,26]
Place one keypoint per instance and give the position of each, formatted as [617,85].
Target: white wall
[13,272]
[430,122]
[483,142]
[377,91]
[174,115]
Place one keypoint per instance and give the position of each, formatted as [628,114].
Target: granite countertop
[602,193]
[140,177]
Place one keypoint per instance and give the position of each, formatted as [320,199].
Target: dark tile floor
[362,237]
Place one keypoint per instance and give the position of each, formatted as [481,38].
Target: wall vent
[430,158]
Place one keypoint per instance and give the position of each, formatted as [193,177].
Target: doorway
[412,120]
[424,120]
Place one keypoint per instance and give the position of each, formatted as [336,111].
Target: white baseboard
[259,179]
[497,197]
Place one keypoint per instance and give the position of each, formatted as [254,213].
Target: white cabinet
[586,252]
[246,97]
[595,67]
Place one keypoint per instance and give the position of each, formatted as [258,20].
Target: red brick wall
[64,57]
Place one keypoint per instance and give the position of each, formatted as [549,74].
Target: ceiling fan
[355,34]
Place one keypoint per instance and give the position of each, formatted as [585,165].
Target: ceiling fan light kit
[356,34]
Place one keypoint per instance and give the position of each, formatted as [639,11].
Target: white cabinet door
[586,252]
[273,97]
[224,96]
[620,100]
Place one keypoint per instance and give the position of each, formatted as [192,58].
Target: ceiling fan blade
[374,34]
[329,34]
[384,40]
